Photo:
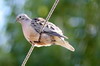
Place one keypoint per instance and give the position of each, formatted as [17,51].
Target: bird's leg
[31,42]
[38,39]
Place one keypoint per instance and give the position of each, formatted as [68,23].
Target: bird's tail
[63,43]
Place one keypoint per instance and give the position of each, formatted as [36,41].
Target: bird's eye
[19,16]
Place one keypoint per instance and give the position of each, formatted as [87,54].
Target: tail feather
[63,43]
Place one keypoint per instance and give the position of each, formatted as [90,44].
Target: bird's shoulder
[38,21]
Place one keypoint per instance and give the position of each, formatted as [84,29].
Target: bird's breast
[29,33]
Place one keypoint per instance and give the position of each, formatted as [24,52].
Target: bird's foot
[36,41]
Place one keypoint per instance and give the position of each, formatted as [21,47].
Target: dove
[50,35]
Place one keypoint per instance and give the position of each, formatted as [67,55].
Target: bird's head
[22,18]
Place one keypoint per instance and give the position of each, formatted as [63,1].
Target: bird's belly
[45,40]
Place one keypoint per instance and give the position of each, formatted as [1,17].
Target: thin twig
[28,55]
[48,17]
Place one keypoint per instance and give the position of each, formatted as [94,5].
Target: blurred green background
[78,19]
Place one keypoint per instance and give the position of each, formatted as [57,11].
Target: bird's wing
[50,28]
[55,31]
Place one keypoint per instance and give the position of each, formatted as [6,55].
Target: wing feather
[50,28]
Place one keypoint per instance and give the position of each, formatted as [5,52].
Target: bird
[51,34]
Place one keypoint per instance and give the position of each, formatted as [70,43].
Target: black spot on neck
[26,19]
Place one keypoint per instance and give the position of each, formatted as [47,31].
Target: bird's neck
[26,22]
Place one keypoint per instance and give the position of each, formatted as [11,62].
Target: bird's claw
[36,41]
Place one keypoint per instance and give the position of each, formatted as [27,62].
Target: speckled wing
[50,28]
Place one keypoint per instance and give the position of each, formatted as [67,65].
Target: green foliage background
[78,19]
